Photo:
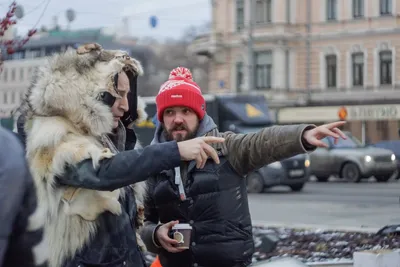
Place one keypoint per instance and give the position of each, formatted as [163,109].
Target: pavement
[368,205]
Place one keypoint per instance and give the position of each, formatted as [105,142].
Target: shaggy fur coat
[65,124]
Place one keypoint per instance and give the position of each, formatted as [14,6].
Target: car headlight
[307,163]
[393,157]
[275,165]
[367,158]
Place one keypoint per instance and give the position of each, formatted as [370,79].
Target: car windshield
[350,142]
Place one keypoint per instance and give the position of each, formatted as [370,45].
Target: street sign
[153,21]
[342,113]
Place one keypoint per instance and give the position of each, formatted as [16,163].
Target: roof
[57,38]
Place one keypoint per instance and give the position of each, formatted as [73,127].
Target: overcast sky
[173,15]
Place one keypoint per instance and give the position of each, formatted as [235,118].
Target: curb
[364,229]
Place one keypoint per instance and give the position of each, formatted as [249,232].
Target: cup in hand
[182,232]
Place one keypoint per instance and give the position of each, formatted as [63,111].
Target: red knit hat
[180,90]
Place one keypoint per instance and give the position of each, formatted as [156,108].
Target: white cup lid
[182,226]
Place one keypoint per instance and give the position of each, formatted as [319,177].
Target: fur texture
[64,124]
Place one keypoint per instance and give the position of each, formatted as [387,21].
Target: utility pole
[308,51]
[250,48]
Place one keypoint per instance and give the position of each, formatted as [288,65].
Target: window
[18,55]
[239,75]
[21,97]
[5,75]
[34,53]
[239,14]
[331,70]
[331,9]
[13,97]
[358,69]
[263,11]
[263,64]
[386,7]
[13,74]
[5,98]
[50,50]
[385,66]
[21,74]
[358,8]
[29,72]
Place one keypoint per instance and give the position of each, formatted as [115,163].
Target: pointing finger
[213,139]
[335,124]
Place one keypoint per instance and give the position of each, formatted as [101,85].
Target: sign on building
[373,112]
[333,113]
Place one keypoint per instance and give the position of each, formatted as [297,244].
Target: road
[336,204]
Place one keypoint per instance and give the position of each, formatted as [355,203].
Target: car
[292,172]
[394,146]
[350,159]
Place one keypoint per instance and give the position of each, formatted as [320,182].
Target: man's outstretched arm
[249,152]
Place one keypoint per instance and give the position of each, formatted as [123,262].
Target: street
[336,204]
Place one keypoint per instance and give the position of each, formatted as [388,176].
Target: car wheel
[297,187]
[322,179]
[382,178]
[351,172]
[255,183]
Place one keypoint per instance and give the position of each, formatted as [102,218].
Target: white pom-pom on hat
[181,72]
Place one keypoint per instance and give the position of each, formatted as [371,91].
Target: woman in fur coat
[79,142]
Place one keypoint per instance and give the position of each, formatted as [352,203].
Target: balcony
[205,45]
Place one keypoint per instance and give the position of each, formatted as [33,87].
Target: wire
[36,7]
[41,15]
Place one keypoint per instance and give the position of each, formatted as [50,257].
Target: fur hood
[69,86]
[66,123]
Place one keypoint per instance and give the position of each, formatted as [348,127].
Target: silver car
[351,160]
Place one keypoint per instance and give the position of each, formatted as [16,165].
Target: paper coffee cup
[182,232]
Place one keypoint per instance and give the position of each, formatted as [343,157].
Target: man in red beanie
[212,198]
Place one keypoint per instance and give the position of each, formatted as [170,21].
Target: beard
[169,136]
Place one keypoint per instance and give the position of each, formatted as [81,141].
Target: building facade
[310,53]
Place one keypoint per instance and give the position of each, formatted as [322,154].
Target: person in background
[21,231]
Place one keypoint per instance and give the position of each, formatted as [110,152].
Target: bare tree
[173,53]
[11,44]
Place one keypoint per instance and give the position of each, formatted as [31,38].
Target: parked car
[394,146]
[293,172]
[352,160]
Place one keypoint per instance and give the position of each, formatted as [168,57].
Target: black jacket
[115,243]
[18,203]
[217,209]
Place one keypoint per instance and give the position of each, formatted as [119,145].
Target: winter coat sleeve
[151,219]
[125,168]
[21,232]
[249,152]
